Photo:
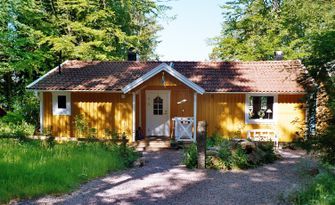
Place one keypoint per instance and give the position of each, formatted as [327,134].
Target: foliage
[40,170]
[254,29]
[25,108]
[240,158]
[230,154]
[233,156]
[267,148]
[82,128]
[18,130]
[34,33]
[214,140]
[112,134]
[225,153]
[321,190]
[12,117]
[191,156]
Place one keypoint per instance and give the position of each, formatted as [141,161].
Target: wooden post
[201,144]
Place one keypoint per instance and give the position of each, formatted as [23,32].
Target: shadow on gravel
[164,181]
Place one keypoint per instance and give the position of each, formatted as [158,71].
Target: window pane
[62,101]
[269,108]
[261,107]
[158,106]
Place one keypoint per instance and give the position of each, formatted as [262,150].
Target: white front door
[158,112]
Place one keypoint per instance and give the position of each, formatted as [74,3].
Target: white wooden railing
[264,135]
[183,128]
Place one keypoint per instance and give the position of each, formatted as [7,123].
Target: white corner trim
[168,69]
[59,111]
[195,126]
[41,112]
[134,117]
[261,121]
[45,75]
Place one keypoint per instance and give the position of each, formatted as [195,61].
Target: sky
[186,37]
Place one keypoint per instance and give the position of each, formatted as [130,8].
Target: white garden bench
[264,135]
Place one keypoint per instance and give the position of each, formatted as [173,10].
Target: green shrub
[269,154]
[215,140]
[20,130]
[12,117]
[28,107]
[325,145]
[225,153]
[24,108]
[112,135]
[233,156]
[82,128]
[320,191]
[240,158]
[191,156]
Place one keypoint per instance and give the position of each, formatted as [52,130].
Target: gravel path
[164,181]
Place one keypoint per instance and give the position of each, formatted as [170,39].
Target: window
[61,103]
[158,106]
[260,108]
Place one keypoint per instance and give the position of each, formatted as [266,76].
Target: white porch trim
[134,117]
[41,112]
[195,116]
[158,69]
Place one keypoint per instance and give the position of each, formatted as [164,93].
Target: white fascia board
[78,91]
[168,69]
[252,92]
[45,75]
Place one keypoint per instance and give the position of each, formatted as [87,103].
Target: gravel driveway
[164,181]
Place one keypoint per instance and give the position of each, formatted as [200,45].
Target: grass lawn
[31,169]
[321,191]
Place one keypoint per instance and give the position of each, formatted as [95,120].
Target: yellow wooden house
[148,98]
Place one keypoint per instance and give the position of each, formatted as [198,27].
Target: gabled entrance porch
[164,105]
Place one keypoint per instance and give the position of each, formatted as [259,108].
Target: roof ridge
[181,61]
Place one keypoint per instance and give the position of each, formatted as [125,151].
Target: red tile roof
[258,76]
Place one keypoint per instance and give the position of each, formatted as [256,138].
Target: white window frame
[61,111]
[261,121]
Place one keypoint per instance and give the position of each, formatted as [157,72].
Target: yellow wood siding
[225,115]
[59,125]
[101,110]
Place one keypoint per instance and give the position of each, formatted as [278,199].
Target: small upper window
[61,101]
[158,106]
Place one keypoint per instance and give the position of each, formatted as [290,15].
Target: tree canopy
[33,33]
[254,29]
